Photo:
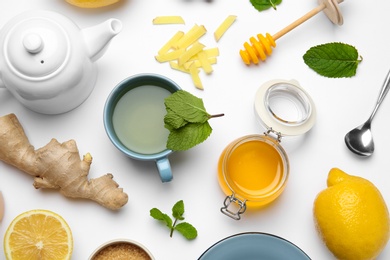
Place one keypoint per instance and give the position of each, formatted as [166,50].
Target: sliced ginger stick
[224,26]
[211,52]
[211,60]
[186,67]
[172,19]
[171,55]
[191,36]
[188,64]
[171,42]
[175,65]
[185,53]
[194,72]
[206,65]
[192,51]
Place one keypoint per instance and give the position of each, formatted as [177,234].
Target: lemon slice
[91,3]
[38,234]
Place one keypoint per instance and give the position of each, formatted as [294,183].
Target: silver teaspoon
[359,140]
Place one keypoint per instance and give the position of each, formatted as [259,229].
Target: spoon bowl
[360,140]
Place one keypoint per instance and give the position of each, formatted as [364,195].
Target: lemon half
[38,234]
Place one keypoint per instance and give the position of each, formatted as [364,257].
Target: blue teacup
[134,119]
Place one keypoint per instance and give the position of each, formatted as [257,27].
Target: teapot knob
[33,43]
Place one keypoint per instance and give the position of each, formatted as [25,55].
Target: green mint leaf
[262,5]
[173,120]
[333,60]
[188,136]
[178,210]
[157,214]
[186,119]
[187,106]
[187,230]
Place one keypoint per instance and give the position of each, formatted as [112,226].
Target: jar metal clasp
[231,201]
[274,134]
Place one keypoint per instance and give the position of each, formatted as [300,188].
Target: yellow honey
[254,169]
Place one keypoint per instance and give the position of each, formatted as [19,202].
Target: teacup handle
[164,169]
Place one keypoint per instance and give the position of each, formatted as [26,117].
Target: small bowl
[129,248]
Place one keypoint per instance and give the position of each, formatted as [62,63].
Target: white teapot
[48,63]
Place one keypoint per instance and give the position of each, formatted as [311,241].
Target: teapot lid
[36,48]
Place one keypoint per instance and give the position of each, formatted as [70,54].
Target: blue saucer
[254,246]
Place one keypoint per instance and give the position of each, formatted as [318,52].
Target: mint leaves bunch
[333,60]
[262,5]
[187,121]
[186,229]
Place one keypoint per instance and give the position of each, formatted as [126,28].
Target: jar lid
[285,107]
[36,48]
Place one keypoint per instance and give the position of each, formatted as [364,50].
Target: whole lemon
[351,217]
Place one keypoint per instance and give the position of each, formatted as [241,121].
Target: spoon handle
[382,94]
[385,88]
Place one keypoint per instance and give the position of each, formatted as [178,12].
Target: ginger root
[57,166]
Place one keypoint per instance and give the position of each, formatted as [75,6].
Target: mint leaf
[178,210]
[157,214]
[262,5]
[187,121]
[333,60]
[173,120]
[188,136]
[187,230]
[187,106]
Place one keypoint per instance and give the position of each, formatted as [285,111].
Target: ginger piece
[190,37]
[224,26]
[57,166]
[194,72]
[185,53]
[171,19]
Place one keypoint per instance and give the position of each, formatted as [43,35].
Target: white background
[341,105]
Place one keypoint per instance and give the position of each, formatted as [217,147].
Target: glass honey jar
[253,170]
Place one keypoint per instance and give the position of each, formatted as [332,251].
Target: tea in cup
[134,119]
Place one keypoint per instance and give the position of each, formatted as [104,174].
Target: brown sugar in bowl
[121,249]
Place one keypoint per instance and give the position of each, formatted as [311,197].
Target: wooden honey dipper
[261,47]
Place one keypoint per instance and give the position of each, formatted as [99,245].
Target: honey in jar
[253,170]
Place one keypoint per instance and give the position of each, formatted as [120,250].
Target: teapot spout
[97,37]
